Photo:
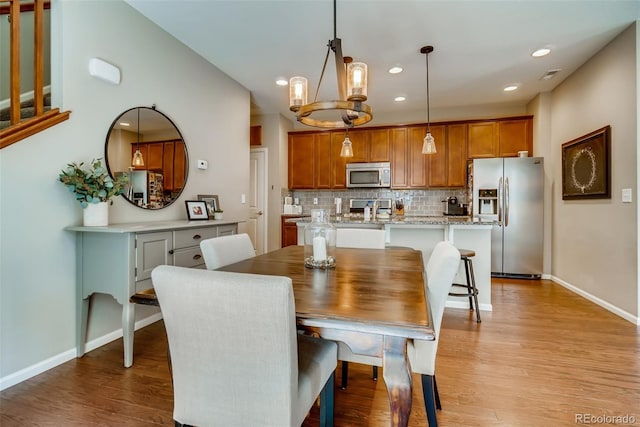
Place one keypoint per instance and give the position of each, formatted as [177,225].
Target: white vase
[96,215]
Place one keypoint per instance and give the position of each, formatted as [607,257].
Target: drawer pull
[197,256]
[197,237]
[171,252]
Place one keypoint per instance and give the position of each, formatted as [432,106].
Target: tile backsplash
[416,202]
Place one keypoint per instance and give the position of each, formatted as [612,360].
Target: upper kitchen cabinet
[301,160]
[379,145]
[483,140]
[310,160]
[398,140]
[418,164]
[514,136]
[255,136]
[447,168]
[500,138]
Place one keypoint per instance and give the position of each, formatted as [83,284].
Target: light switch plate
[627,195]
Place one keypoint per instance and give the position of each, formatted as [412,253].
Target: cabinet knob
[197,237]
[197,256]
[171,252]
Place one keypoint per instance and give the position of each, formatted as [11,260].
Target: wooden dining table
[373,300]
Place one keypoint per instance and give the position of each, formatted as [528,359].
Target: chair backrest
[441,269]
[225,250]
[360,238]
[233,345]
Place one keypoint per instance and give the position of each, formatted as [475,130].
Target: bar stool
[470,286]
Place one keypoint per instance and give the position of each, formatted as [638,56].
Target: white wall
[37,277]
[595,241]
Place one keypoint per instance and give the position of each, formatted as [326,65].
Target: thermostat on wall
[104,71]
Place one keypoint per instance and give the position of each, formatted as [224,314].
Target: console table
[117,260]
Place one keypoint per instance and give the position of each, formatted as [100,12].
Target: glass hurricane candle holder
[319,241]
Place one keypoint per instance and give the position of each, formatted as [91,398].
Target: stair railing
[19,128]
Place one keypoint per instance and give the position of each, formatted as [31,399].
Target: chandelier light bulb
[297,92]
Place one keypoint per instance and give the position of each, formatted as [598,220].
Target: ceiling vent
[549,74]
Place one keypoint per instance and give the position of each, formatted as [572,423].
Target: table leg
[81,328]
[397,377]
[128,318]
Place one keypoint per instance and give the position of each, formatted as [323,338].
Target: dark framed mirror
[145,144]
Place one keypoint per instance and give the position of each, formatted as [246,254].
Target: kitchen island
[422,233]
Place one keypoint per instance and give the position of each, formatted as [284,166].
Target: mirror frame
[137,130]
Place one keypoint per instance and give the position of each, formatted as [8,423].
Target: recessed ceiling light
[395,70]
[510,88]
[399,98]
[282,82]
[124,124]
[541,52]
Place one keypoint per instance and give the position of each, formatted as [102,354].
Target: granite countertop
[399,220]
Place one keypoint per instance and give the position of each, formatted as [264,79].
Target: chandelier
[352,92]
[429,143]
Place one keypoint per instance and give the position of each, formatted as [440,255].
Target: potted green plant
[93,188]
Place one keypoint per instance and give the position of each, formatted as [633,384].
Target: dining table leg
[397,377]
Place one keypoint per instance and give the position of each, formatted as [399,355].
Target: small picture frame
[196,210]
[213,204]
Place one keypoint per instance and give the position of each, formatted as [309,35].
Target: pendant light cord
[428,114]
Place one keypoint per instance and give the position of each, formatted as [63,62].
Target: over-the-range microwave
[376,175]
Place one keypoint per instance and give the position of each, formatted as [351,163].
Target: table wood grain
[373,300]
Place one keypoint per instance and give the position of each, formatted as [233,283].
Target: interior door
[257,199]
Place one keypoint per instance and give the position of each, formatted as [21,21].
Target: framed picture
[586,166]
[196,209]
[212,203]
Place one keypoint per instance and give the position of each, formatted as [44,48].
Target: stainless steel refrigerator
[510,191]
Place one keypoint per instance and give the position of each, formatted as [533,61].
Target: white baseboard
[40,367]
[602,303]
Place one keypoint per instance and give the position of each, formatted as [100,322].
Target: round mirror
[145,144]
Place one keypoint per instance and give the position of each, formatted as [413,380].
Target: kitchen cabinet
[483,140]
[448,167]
[255,136]
[315,162]
[418,163]
[301,160]
[117,260]
[289,231]
[310,160]
[398,140]
[514,136]
[379,145]
[500,138]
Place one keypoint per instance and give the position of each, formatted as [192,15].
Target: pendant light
[347,148]
[138,161]
[429,144]
[349,108]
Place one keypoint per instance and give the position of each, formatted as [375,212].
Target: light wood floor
[543,357]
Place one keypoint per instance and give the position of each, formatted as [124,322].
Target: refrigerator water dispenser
[488,201]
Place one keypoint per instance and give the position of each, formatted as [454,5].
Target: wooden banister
[22,128]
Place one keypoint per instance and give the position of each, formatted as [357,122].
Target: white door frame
[262,186]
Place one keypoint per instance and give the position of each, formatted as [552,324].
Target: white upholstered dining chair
[358,238]
[441,270]
[237,359]
[225,250]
